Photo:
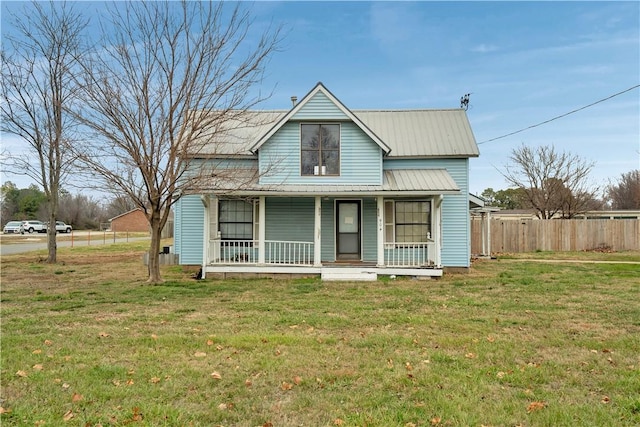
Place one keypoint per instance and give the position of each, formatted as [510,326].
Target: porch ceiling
[405,182]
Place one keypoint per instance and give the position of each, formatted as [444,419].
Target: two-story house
[345,194]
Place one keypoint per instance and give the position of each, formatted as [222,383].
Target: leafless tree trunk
[37,83]
[169,79]
[552,183]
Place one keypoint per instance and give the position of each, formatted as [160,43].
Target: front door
[348,230]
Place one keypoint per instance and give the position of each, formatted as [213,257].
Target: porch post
[438,229]
[317,233]
[380,230]
[262,227]
[205,234]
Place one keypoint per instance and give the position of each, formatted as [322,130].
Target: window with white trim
[319,149]
[236,219]
[407,221]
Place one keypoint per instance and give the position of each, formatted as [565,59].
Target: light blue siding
[319,107]
[369,230]
[456,250]
[188,229]
[328,231]
[290,219]
[360,158]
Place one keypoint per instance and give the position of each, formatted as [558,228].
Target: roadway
[11,244]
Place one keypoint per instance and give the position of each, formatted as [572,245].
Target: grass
[86,343]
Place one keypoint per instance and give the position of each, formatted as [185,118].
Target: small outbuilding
[135,221]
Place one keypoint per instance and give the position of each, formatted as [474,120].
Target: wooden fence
[557,235]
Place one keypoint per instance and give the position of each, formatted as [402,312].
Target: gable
[317,101]
[319,107]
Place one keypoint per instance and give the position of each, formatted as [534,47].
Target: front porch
[338,238]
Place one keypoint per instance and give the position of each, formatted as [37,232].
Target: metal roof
[408,182]
[420,133]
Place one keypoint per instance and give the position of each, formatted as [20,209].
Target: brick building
[134,220]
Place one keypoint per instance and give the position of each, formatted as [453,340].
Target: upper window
[320,149]
[407,221]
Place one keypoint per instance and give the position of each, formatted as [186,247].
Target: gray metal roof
[419,133]
[410,182]
[409,133]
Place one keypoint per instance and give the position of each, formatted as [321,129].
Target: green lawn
[513,343]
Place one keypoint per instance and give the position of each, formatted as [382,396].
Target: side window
[319,149]
[235,219]
[407,221]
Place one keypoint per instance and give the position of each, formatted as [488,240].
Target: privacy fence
[557,235]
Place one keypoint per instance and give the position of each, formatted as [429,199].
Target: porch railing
[421,254]
[246,252]
[279,252]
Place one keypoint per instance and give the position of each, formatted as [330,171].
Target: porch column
[205,234]
[262,227]
[317,233]
[380,230]
[438,228]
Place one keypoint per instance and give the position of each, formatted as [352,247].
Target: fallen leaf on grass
[338,422]
[76,397]
[103,335]
[606,399]
[154,380]
[36,351]
[216,375]
[48,342]
[435,421]
[200,354]
[535,406]
[38,367]
[4,411]
[68,415]
[297,380]
[470,355]
[21,373]
[248,383]
[154,337]
[286,386]
[210,342]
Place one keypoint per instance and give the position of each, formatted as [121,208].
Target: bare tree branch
[552,183]
[169,77]
[37,84]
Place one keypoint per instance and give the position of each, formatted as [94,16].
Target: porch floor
[336,272]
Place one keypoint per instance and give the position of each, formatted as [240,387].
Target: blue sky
[522,62]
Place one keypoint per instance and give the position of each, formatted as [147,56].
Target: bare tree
[167,82]
[37,66]
[551,183]
[626,193]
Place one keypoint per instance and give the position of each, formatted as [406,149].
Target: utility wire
[562,115]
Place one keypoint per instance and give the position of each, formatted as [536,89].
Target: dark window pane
[331,159]
[330,137]
[309,159]
[310,136]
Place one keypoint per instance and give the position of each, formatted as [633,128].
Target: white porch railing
[278,252]
[246,252]
[421,254]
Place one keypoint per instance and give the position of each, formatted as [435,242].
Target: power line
[562,115]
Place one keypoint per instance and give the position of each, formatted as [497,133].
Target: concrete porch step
[348,274]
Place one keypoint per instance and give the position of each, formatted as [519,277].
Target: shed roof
[409,182]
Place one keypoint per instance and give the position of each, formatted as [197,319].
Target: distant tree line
[622,194]
[81,211]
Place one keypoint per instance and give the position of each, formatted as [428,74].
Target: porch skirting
[340,273]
